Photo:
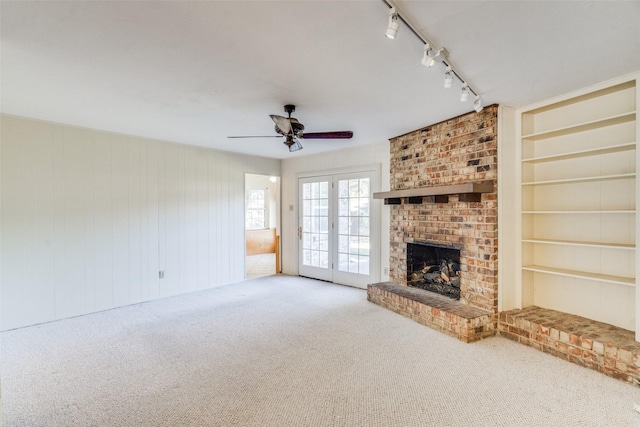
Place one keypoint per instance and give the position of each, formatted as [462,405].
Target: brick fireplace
[443,193]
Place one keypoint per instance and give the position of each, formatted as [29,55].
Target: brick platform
[451,317]
[599,346]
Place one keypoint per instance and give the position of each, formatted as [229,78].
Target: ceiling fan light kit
[293,131]
[431,55]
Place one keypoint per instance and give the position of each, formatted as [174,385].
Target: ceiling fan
[293,131]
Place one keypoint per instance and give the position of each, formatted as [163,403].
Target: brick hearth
[458,320]
[596,345]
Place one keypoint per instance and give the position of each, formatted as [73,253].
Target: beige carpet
[284,351]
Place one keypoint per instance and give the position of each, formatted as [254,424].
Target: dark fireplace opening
[434,268]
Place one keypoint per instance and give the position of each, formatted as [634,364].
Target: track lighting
[431,54]
[448,78]
[477,104]
[392,30]
[464,93]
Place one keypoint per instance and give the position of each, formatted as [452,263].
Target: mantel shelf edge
[465,188]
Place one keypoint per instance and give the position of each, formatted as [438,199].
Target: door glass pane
[324,243]
[343,244]
[353,206]
[353,188]
[343,207]
[354,225]
[324,190]
[343,225]
[363,230]
[324,259]
[343,189]
[363,207]
[363,246]
[364,188]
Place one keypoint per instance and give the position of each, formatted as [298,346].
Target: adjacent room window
[256,210]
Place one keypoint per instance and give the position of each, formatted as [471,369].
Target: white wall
[89,218]
[325,163]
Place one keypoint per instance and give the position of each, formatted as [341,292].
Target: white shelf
[583,179]
[618,280]
[581,127]
[582,153]
[581,244]
[616,211]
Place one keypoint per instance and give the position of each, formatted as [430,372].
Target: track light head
[392,29]
[464,93]
[477,104]
[448,77]
[428,56]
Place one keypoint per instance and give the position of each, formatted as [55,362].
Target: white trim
[584,91]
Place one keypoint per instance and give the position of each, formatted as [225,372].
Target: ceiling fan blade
[345,134]
[256,136]
[283,123]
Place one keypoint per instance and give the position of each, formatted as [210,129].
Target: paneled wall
[89,219]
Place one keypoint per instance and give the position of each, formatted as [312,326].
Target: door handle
[299,233]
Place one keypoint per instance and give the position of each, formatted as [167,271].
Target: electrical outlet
[161,274]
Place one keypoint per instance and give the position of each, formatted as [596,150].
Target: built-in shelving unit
[578,213]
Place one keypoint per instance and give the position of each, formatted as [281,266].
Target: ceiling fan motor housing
[297,128]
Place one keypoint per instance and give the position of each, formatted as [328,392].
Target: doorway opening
[262,219]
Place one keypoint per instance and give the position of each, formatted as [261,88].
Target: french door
[337,227]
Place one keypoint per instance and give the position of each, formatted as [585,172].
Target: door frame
[276,207]
[376,208]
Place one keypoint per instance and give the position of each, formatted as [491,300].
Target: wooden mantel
[472,190]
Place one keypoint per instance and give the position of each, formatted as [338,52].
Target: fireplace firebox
[435,268]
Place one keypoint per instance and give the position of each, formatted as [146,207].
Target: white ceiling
[197,72]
